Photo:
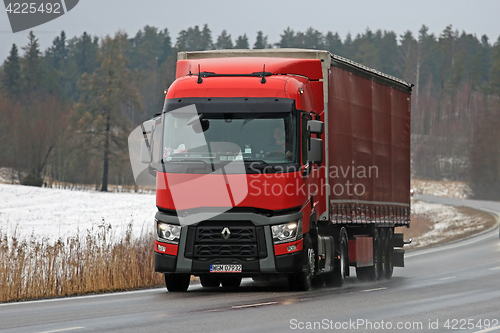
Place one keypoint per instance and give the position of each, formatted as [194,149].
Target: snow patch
[59,213]
[448,221]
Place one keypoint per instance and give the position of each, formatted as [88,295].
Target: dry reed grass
[37,268]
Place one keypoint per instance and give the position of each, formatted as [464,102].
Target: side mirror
[315,151]
[315,127]
[145,152]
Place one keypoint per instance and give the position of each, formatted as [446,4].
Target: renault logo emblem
[226,233]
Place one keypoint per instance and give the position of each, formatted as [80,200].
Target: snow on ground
[448,223]
[441,188]
[55,213]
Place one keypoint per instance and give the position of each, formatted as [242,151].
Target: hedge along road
[454,286]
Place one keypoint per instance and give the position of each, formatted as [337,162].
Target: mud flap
[399,258]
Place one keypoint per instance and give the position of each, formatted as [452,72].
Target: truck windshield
[219,138]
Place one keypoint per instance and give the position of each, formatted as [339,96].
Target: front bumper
[286,263]
[270,259]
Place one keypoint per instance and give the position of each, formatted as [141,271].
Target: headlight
[168,232]
[288,232]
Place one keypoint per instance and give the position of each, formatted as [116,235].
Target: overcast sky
[103,17]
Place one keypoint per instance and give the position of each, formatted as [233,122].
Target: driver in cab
[280,146]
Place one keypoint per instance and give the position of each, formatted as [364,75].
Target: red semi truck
[279,163]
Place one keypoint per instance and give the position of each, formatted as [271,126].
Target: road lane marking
[495,328]
[447,278]
[494,268]
[375,289]
[253,305]
[70,298]
[63,330]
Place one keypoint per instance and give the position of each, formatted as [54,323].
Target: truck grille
[225,251]
[225,239]
[214,234]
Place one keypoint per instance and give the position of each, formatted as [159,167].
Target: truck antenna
[263,75]
[200,80]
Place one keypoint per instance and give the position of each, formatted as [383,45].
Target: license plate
[225,268]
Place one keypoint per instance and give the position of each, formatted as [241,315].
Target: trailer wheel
[230,281]
[389,254]
[371,273]
[302,281]
[318,281]
[177,282]
[209,281]
[341,266]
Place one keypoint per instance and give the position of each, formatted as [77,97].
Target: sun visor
[233,105]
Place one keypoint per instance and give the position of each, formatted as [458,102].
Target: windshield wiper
[262,163]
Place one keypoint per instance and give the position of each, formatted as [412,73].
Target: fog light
[161,248]
[292,248]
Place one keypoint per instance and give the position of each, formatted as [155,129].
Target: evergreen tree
[107,92]
[58,52]
[494,84]
[166,49]
[145,49]
[32,68]
[388,45]
[242,42]
[224,41]
[194,39]
[206,37]
[366,51]
[261,41]
[84,52]
[408,53]
[313,39]
[11,79]
[333,43]
[287,39]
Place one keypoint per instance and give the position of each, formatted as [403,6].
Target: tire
[209,281]
[341,266]
[318,281]
[389,248]
[230,281]
[177,282]
[302,281]
[371,273]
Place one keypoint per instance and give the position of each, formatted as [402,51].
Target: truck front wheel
[177,282]
[302,281]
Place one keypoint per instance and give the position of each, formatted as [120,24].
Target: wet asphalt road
[455,287]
